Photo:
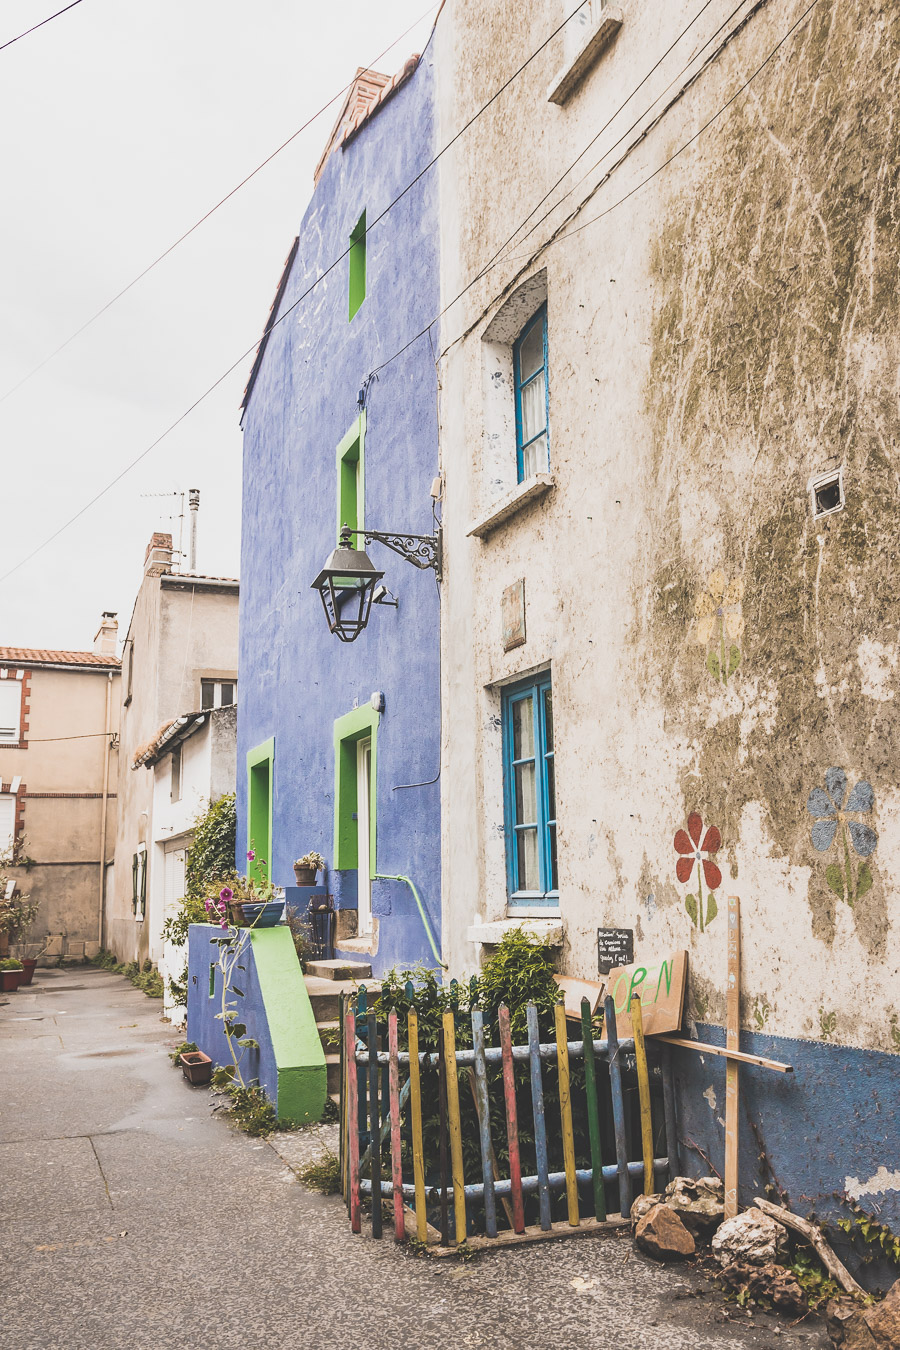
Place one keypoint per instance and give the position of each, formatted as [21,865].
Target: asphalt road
[131,1218]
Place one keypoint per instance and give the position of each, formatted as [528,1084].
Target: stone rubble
[661,1234]
[699,1203]
[752,1237]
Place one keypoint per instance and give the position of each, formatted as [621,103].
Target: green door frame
[348,730]
[260,770]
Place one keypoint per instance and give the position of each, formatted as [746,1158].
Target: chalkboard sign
[615,947]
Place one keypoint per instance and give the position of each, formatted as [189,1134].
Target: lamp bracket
[422,550]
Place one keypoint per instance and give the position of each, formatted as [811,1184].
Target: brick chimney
[158,558]
[107,634]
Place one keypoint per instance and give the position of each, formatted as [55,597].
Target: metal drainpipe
[106,753]
[381,876]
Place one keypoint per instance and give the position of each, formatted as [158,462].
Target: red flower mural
[688,845]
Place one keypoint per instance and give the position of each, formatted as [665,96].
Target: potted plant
[305,868]
[10,975]
[196,1067]
[23,913]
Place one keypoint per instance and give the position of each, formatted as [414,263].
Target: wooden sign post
[733,1056]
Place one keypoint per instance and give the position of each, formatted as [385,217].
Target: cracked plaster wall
[728,332]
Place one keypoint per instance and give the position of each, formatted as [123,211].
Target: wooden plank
[732,1042]
[814,1235]
[565,1111]
[484,1124]
[661,985]
[540,1127]
[415,1108]
[456,1156]
[618,1104]
[593,1110]
[375,1159]
[442,1126]
[411,1222]
[614,1225]
[394,1099]
[704,1048]
[574,991]
[643,1077]
[352,1121]
[512,1121]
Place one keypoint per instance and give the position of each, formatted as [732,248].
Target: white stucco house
[193,764]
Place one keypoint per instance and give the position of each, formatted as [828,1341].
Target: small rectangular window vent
[827,492]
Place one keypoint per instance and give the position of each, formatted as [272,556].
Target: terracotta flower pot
[196,1067]
[27,972]
[306,876]
[9,981]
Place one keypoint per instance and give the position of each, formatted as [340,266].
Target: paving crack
[102,1173]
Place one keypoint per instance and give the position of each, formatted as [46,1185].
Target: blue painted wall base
[275,1008]
[831,1126]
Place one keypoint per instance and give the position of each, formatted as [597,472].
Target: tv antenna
[180,518]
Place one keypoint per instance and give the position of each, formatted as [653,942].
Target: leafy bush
[210,864]
[185,1048]
[324,1174]
[144,977]
[248,1107]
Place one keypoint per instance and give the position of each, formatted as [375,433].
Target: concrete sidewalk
[133,1219]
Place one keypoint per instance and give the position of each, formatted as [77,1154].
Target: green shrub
[185,1048]
[8,963]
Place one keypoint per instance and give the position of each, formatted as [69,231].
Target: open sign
[660,985]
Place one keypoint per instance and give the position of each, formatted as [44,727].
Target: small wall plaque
[512,613]
[615,947]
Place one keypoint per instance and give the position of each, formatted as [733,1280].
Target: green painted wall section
[260,790]
[351,479]
[352,727]
[357,265]
[299,1057]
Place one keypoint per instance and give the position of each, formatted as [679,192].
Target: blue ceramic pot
[263,916]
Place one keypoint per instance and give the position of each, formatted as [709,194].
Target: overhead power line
[44,544]
[234,365]
[205,217]
[36,26]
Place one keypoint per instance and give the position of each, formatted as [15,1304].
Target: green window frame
[529,783]
[260,792]
[351,477]
[357,265]
[359,725]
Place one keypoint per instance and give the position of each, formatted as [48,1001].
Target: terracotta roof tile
[28,656]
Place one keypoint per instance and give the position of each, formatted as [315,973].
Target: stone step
[324,995]
[339,970]
[333,1071]
[328,1032]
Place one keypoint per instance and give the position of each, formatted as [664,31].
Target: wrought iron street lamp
[348,580]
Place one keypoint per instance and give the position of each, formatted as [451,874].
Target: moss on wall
[776,349]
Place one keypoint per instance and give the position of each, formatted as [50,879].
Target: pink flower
[226,894]
[251,855]
[223,923]
[206,905]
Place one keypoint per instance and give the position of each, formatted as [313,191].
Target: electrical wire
[559,235]
[322,275]
[45,543]
[202,220]
[36,26]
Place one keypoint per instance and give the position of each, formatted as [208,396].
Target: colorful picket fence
[375,1106]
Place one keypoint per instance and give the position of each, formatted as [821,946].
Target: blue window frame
[529,779]
[532,397]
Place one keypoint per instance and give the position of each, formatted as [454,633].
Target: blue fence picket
[484,1124]
[540,1126]
[618,1106]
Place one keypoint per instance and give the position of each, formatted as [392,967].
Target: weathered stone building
[180,656]
[669,399]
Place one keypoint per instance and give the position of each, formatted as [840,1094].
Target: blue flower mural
[832,810]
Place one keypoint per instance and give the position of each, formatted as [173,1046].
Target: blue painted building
[339,743]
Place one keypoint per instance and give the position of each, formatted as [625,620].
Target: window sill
[492,934]
[516,500]
[568,79]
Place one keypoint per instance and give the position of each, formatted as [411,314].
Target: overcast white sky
[120,125]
